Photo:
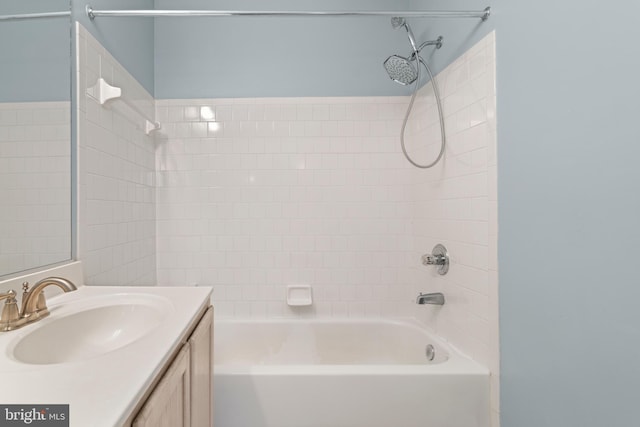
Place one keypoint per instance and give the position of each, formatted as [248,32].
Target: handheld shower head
[397,22]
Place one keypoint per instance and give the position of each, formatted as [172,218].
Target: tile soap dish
[299,295]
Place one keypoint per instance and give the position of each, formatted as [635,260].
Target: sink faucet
[34,306]
[33,302]
[435,298]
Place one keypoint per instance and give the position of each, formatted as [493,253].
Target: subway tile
[199,130]
[224,113]
[297,129]
[304,112]
[354,112]
[248,129]
[320,112]
[256,112]
[313,128]
[288,112]
[213,129]
[191,113]
[272,112]
[338,112]
[240,112]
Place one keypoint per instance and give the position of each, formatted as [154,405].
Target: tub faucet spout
[435,298]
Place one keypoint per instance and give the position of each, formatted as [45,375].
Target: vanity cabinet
[201,368]
[183,395]
[169,403]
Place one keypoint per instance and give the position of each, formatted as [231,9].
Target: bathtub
[346,373]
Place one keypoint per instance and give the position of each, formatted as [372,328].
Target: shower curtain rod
[482,14]
[34,16]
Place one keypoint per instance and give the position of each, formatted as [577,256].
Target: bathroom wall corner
[455,203]
[116,177]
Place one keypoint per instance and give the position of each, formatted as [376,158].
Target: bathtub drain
[430,352]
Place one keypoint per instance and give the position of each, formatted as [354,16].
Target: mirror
[35,135]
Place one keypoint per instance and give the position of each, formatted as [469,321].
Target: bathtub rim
[457,362]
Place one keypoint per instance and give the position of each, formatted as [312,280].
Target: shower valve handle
[429,259]
[438,257]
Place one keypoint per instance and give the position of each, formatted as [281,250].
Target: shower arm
[437,43]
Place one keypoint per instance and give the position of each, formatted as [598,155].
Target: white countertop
[100,391]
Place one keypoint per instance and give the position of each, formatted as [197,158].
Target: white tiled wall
[116,174]
[257,194]
[35,189]
[455,203]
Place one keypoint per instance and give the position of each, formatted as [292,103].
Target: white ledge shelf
[103,92]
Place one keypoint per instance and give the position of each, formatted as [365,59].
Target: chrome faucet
[435,298]
[438,257]
[34,306]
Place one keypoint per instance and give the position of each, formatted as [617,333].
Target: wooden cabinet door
[201,347]
[169,404]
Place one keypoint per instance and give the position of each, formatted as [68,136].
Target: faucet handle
[25,286]
[10,311]
[429,259]
[438,257]
[8,295]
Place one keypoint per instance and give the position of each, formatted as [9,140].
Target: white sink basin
[88,332]
[107,344]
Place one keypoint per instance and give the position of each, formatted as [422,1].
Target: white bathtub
[346,373]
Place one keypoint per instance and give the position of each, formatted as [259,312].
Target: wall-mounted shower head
[401,70]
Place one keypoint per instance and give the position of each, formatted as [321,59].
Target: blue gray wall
[459,33]
[35,55]
[130,40]
[569,212]
[256,57]
[260,57]
[36,58]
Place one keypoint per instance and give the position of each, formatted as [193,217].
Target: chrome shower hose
[406,117]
